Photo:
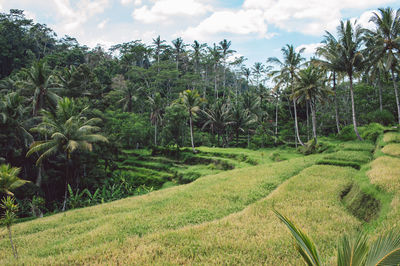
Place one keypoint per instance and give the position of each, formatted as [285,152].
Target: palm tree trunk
[66,183]
[353,110]
[380,93]
[215,81]
[336,104]
[39,176]
[191,131]
[396,95]
[155,134]
[276,120]
[296,124]
[308,123]
[248,138]
[314,121]
[14,249]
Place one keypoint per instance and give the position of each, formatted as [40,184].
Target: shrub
[384,117]
[372,131]
[311,147]
[347,133]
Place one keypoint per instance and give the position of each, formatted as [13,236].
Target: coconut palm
[9,180]
[158,45]
[310,87]
[292,61]
[125,90]
[225,52]
[352,251]
[191,100]
[385,42]
[41,87]
[218,117]
[156,105]
[329,51]
[69,131]
[351,59]
[216,56]
[241,120]
[179,48]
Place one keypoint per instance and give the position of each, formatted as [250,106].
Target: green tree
[385,41]
[218,118]
[310,87]
[69,131]
[292,61]
[157,106]
[351,59]
[9,180]
[41,86]
[8,218]
[191,100]
[179,47]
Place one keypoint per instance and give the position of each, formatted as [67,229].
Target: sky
[258,29]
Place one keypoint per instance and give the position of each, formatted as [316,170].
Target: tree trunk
[380,93]
[396,95]
[191,131]
[336,104]
[308,123]
[353,110]
[155,134]
[39,176]
[296,124]
[276,120]
[248,138]
[14,249]
[66,183]
[314,121]
[215,81]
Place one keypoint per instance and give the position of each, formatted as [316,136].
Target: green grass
[356,146]
[350,155]
[391,137]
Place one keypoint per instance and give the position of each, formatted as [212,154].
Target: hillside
[227,217]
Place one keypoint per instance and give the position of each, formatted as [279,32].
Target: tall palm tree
[9,180]
[351,59]
[158,45]
[329,51]
[292,61]
[191,100]
[69,131]
[41,83]
[225,51]
[216,55]
[156,105]
[179,48]
[258,70]
[310,87]
[385,42]
[198,49]
[125,90]
[241,119]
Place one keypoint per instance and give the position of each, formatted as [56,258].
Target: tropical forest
[187,153]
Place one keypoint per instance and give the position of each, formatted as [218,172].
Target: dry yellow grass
[391,137]
[253,236]
[392,149]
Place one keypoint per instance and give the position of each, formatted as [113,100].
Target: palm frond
[385,250]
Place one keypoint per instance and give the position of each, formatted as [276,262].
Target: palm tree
[385,41]
[310,87]
[289,67]
[8,218]
[156,104]
[258,69]
[179,46]
[158,45]
[330,52]
[218,117]
[191,100]
[251,105]
[241,119]
[40,82]
[69,131]
[216,57]
[352,251]
[225,51]
[9,180]
[197,53]
[125,90]
[351,59]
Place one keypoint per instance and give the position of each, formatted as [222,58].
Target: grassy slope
[218,219]
[75,233]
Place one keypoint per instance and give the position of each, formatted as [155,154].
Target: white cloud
[242,22]
[309,49]
[363,20]
[102,24]
[308,16]
[126,2]
[163,10]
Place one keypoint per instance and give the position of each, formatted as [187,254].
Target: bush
[384,117]
[372,131]
[347,133]
[311,147]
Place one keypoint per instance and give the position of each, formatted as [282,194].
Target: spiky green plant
[352,250]
[8,218]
